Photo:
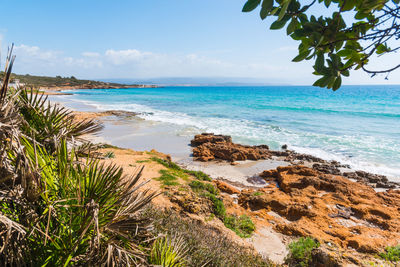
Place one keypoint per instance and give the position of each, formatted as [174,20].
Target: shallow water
[357,125]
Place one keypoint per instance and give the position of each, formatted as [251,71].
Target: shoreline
[125,129]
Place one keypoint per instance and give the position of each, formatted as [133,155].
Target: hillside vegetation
[58,81]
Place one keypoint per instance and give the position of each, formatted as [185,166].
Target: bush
[168,252]
[171,165]
[199,175]
[218,206]
[243,226]
[198,186]
[300,251]
[167,178]
[207,245]
[57,207]
[391,254]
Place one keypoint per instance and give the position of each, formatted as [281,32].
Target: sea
[356,125]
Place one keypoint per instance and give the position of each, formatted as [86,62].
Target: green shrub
[167,178]
[166,163]
[391,254]
[207,245]
[168,252]
[300,251]
[243,226]
[198,186]
[171,165]
[199,175]
[218,205]
[143,161]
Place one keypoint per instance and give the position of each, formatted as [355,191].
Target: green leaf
[250,5]
[284,9]
[292,26]
[263,13]
[268,4]
[344,53]
[319,62]
[337,83]
[279,24]
[302,56]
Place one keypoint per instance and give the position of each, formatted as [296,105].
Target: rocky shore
[209,147]
[326,200]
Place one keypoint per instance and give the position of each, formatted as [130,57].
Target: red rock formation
[225,187]
[328,207]
[209,147]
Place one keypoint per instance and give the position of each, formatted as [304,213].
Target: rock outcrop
[208,146]
[331,208]
[226,188]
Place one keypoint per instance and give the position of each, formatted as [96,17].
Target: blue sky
[139,39]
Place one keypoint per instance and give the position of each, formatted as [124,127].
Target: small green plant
[218,205]
[199,175]
[199,186]
[171,165]
[109,155]
[167,178]
[300,251]
[243,226]
[169,252]
[391,253]
[258,193]
[166,163]
[143,161]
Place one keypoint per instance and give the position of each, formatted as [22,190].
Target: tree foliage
[346,40]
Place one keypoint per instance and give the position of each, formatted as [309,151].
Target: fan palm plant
[56,207]
[89,210]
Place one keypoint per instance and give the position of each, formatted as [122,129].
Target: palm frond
[49,124]
[169,252]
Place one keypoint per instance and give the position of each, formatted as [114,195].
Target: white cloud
[90,54]
[120,57]
[133,63]
[29,53]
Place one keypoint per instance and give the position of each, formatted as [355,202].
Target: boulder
[225,187]
[207,147]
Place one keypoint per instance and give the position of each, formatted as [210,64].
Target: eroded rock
[225,187]
[328,207]
[207,147]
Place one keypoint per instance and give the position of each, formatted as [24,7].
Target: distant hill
[59,82]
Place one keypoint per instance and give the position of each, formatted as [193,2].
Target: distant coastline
[59,83]
[94,86]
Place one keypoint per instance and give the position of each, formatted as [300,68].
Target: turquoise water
[357,125]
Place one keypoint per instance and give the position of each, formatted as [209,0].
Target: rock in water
[208,146]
